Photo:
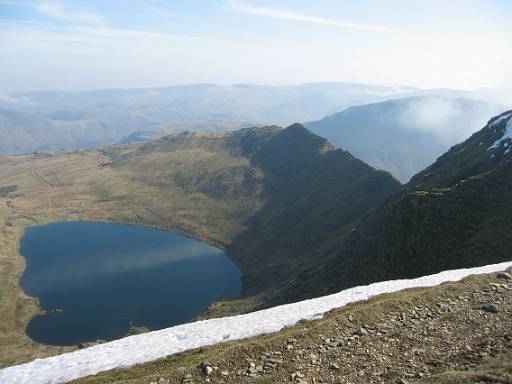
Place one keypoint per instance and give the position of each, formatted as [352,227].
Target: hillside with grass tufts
[266,195]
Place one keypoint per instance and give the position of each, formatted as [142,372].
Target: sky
[82,45]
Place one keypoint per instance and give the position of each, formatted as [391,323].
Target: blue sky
[104,44]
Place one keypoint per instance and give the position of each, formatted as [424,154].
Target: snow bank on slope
[507,135]
[151,346]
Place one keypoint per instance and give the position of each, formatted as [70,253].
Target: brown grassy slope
[210,187]
[82,185]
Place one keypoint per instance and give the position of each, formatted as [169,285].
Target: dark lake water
[96,281]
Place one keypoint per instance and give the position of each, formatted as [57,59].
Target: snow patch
[507,135]
[501,118]
[154,345]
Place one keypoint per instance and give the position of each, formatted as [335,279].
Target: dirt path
[50,186]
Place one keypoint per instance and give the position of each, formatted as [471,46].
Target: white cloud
[282,14]
[19,37]
[451,120]
[90,57]
[129,34]
[80,54]
[58,11]
[15,101]
[18,3]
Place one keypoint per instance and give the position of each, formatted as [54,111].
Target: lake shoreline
[95,279]
[82,189]
[30,306]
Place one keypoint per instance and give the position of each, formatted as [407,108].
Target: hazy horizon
[398,87]
[78,45]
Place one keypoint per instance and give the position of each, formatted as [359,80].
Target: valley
[404,136]
[219,189]
[255,191]
[297,216]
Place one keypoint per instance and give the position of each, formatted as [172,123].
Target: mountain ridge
[299,217]
[302,175]
[267,196]
[404,136]
[455,213]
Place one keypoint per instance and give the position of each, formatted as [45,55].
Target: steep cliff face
[313,196]
[456,213]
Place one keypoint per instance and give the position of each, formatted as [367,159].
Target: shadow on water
[96,280]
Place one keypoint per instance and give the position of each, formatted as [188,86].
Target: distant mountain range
[37,121]
[404,136]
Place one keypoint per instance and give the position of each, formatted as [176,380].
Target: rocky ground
[454,333]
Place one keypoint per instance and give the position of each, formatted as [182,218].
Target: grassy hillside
[267,195]
[210,125]
[456,213]
[292,192]
[300,218]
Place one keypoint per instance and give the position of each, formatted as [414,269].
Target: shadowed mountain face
[308,194]
[301,218]
[313,195]
[456,213]
[406,135]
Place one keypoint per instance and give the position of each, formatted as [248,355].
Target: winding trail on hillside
[51,187]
